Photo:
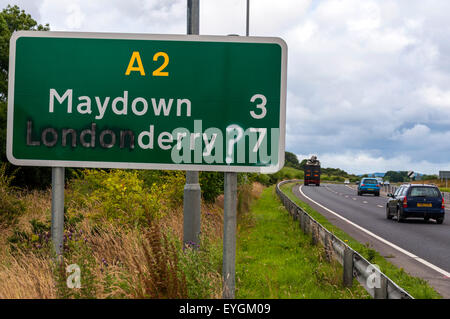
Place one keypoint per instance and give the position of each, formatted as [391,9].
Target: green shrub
[173,180]
[285,173]
[263,179]
[201,268]
[118,195]
[37,240]
[211,184]
[11,207]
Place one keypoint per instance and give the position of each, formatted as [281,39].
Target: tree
[396,177]
[291,160]
[14,19]
[303,164]
[428,177]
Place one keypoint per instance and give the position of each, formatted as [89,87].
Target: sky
[368,81]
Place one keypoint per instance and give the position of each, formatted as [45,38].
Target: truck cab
[312,172]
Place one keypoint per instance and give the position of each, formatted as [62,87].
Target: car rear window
[370,181]
[424,191]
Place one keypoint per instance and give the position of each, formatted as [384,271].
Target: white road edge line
[407,253]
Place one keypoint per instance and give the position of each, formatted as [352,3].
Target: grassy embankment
[276,260]
[417,287]
[122,228]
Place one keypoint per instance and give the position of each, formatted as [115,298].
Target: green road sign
[214,103]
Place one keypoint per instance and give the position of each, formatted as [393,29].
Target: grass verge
[276,260]
[417,287]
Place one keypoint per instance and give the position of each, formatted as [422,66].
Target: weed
[159,274]
[11,207]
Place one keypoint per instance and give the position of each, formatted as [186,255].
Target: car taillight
[363,185]
[405,202]
[443,203]
[378,185]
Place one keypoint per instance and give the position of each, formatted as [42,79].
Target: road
[421,248]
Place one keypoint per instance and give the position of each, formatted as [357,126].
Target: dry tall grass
[25,276]
[124,262]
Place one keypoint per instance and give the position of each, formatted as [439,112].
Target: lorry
[312,171]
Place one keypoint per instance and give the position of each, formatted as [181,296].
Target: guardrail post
[381,292]
[299,218]
[307,225]
[348,267]
[327,246]
[302,221]
[314,234]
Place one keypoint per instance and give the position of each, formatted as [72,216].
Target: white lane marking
[346,196]
[354,198]
[364,202]
[407,253]
[380,206]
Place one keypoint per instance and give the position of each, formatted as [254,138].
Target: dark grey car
[416,200]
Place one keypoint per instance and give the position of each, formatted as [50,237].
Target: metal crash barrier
[376,283]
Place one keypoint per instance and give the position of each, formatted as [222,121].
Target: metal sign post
[57,229]
[229,235]
[247,24]
[192,191]
[230,222]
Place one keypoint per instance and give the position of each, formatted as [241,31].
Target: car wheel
[377,194]
[426,218]
[439,220]
[388,214]
[359,193]
[399,216]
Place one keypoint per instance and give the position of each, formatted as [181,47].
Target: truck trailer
[312,171]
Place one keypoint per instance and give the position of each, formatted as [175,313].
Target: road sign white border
[141,36]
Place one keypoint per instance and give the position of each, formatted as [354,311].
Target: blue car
[369,186]
[416,200]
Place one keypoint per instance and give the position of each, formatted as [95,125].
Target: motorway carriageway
[421,248]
